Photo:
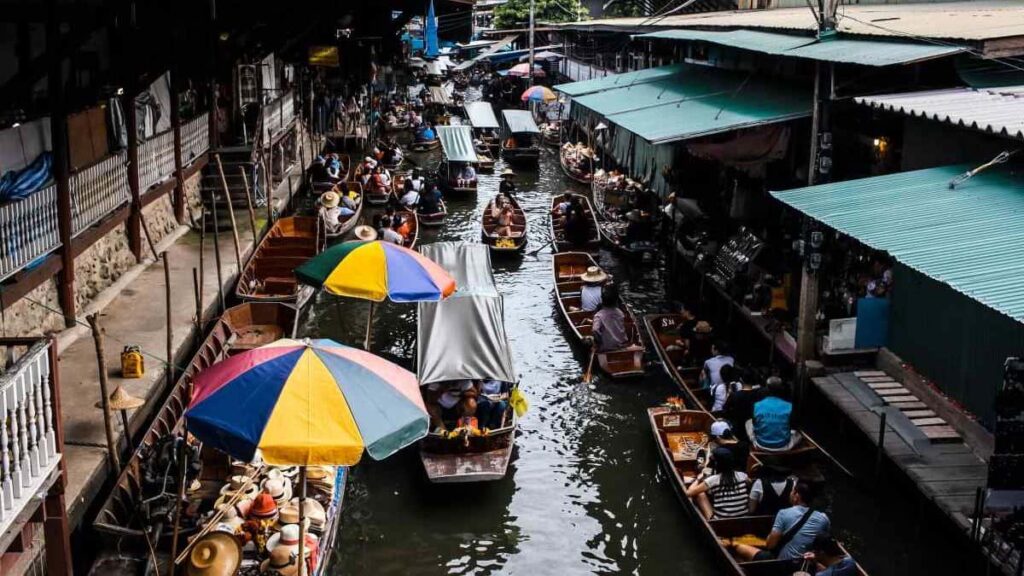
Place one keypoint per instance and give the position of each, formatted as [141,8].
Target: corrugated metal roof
[844,50]
[692,82]
[618,80]
[974,21]
[457,142]
[993,110]
[481,114]
[969,237]
[520,122]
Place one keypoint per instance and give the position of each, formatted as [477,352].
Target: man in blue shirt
[426,135]
[770,428]
[794,531]
[832,560]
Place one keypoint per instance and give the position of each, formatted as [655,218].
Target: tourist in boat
[416,182]
[405,225]
[609,324]
[443,400]
[793,532]
[366,233]
[710,374]
[411,198]
[466,177]
[591,292]
[425,134]
[770,428]
[577,225]
[830,557]
[380,181]
[332,211]
[392,234]
[505,219]
[770,492]
[507,186]
[334,167]
[720,393]
[430,202]
[739,407]
[724,494]
[490,404]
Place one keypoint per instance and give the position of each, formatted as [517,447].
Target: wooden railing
[28,230]
[97,191]
[29,441]
[156,160]
[277,115]
[195,138]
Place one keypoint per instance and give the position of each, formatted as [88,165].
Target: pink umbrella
[523,69]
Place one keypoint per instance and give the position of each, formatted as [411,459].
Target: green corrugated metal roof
[618,80]
[481,115]
[841,50]
[969,238]
[520,122]
[457,142]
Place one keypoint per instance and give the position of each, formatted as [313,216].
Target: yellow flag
[519,403]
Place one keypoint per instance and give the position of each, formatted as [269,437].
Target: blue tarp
[20,184]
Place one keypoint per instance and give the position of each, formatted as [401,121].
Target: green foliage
[516,13]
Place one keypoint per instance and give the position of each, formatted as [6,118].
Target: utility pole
[532,14]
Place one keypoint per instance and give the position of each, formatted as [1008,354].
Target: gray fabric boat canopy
[481,115]
[463,337]
[457,142]
[520,122]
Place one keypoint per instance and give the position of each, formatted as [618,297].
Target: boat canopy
[438,95]
[457,142]
[463,337]
[481,115]
[520,122]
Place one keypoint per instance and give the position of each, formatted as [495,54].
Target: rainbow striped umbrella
[376,270]
[538,94]
[306,403]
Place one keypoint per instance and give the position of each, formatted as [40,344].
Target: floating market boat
[519,138]
[583,177]
[347,223]
[269,275]
[457,144]
[593,234]
[567,269]
[513,244]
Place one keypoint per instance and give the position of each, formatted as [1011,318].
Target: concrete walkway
[133,313]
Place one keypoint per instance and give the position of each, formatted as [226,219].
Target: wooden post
[268,181]
[216,256]
[248,204]
[108,421]
[134,224]
[56,530]
[197,292]
[180,204]
[202,257]
[59,139]
[231,212]
[170,325]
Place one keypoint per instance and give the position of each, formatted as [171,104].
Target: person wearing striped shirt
[724,494]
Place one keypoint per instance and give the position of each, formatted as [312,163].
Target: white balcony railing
[156,160]
[97,191]
[277,115]
[28,439]
[28,230]
[195,138]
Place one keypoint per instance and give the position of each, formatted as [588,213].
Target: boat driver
[448,402]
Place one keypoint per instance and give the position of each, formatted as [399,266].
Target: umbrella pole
[369,326]
[302,523]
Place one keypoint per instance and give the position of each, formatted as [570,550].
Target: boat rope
[1001,158]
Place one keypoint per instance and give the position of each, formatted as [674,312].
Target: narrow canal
[584,493]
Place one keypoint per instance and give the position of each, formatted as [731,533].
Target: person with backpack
[771,491]
[793,531]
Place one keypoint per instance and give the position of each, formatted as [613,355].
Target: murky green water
[584,493]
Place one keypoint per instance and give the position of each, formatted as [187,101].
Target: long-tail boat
[567,268]
[269,275]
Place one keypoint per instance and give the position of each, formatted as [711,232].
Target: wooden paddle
[588,376]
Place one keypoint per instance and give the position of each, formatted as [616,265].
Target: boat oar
[588,375]
[546,244]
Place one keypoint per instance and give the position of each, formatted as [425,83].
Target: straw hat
[215,554]
[237,484]
[282,561]
[507,172]
[288,537]
[364,232]
[312,510]
[330,199]
[290,515]
[263,508]
[120,399]
[594,275]
[280,489]
[703,327]
[319,472]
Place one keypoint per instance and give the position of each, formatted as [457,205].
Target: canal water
[584,493]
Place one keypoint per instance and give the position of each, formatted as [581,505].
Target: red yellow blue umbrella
[538,94]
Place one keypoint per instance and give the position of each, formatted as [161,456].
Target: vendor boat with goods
[574,224]
[573,272]
[485,125]
[519,138]
[466,373]
[504,227]
[577,162]
[269,275]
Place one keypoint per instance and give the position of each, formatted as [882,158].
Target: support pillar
[134,223]
[61,170]
[179,174]
[56,530]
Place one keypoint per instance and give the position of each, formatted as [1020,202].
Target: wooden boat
[239,328]
[505,244]
[484,162]
[567,267]
[400,126]
[551,135]
[448,182]
[433,220]
[573,174]
[343,175]
[520,155]
[347,222]
[560,243]
[414,234]
[425,146]
[459,456]
[269,275]
[663,330]
[678,435]
[613,233]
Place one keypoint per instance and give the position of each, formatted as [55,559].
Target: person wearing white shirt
[711,374]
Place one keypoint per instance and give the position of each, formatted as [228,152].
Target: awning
[543,55]
[438,95]
[464,336]
[619,80]
[968,237]
[487,52]
[696,101]
[520,122]
[838,50]
[481,115]
[457,142]
[993,110]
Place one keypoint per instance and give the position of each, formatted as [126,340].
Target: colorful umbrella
[306,403]
[374,271]
[538,94]
[524,70]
